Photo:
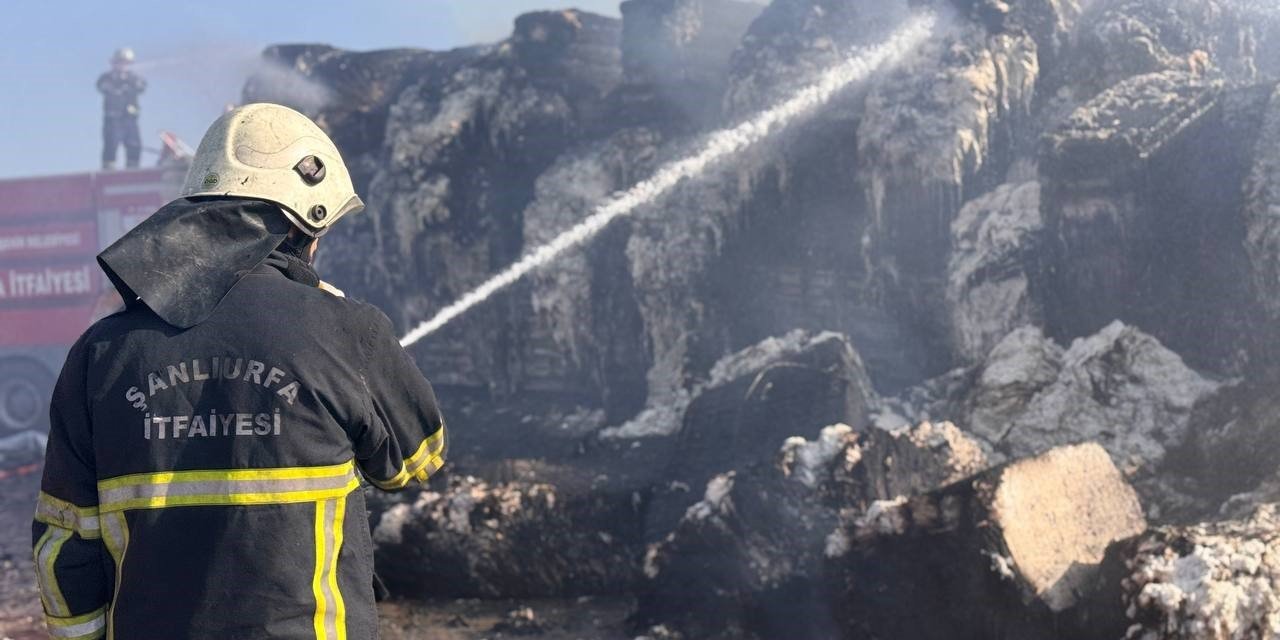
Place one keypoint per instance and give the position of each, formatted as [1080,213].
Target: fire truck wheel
[25,389]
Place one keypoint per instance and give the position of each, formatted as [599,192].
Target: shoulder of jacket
[375,320]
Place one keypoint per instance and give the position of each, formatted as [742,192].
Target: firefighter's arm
[404,438]
[66,533]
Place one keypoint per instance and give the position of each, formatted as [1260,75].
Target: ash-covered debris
[1218,581]
[995,239]
[519,622]
[1130,124]
[509,540]
[748,559]
[756,399]
[1235,447]
[741,562]
[1005,554]
[754,373]
[1120,388]
[1119,39]
[810,462]
[909,461]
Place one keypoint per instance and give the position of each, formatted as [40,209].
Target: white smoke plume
[717,147]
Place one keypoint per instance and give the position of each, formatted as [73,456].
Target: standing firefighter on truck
[120,88]
[208,441]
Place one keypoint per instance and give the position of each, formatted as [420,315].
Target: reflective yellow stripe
[227,487]
[47,549]
[60,513]
[330,621]
[317,581]
[430,467]
[340,607]
[86,627]
[426,460]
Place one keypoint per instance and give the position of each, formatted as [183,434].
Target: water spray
[718,146]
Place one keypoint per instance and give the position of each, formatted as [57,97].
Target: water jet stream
[719,145]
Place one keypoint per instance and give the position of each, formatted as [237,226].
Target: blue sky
[194,56]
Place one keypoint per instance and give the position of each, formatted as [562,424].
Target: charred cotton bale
[675,58]
[1002,555]
[747,560]
[510,540]
[1120,387]
[934,129]
[907,462]
[1234,444]
[995,238]
[755,400]
[1262,209]
[462,149]
[742,563]
[1117,40]
[1137,221]
[1216,581]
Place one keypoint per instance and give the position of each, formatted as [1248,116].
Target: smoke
[717,147]
[190,86]
[278,82]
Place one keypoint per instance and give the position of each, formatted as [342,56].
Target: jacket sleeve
[66,535]
[403,438]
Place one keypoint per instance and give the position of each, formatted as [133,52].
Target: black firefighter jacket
[205,483]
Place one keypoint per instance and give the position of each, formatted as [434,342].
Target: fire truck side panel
[51,229]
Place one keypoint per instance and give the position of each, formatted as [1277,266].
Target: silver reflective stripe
[82,520]
[46,557]
[91,628]
[127,496]
[430,466]
[331,609]
[115,533]
[330,617]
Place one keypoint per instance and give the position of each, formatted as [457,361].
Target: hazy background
[194,57]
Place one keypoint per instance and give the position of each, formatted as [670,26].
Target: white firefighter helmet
[273,153]
[123,55]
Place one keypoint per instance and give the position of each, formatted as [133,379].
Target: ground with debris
[20,614]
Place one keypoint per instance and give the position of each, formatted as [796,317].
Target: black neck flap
[182,261]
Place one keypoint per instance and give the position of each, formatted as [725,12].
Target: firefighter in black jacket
[120,88]
[208,442]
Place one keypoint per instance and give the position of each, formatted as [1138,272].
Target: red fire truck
[51,230]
